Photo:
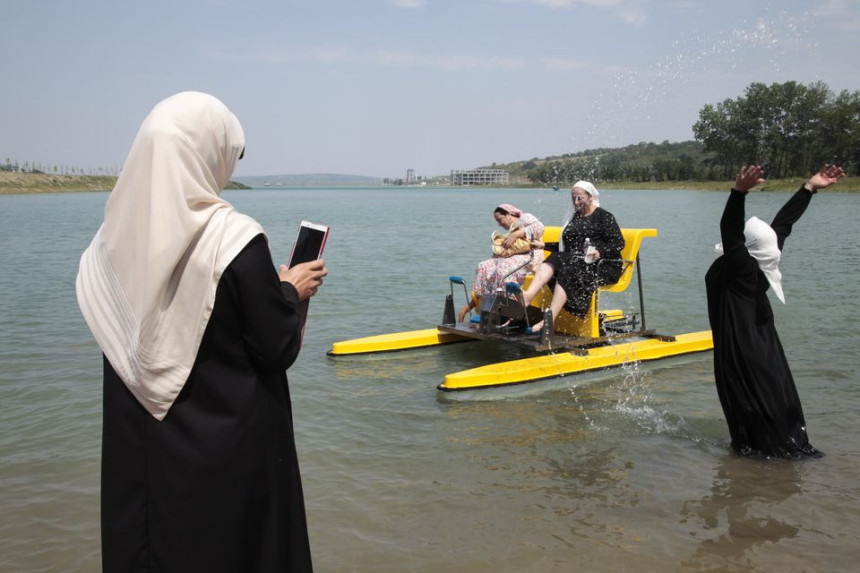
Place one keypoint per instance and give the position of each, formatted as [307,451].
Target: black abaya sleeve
[744,268]
[789,214]
[609,241]
[271,314]
[732,221]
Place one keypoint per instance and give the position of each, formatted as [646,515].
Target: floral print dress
[492,272]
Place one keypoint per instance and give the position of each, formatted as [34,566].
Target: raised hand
[749,177]
[828,175]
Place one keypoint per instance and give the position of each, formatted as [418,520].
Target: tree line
[664,161]
[14,166]
[791,129]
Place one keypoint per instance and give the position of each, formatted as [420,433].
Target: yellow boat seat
[589,327]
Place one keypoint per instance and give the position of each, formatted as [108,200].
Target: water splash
[638,95]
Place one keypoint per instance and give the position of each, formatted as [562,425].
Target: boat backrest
[630,252]
[632,242]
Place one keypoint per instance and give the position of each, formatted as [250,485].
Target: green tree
[839,131]
[789,128]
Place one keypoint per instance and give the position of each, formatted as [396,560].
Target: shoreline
[30,183]
[16,183]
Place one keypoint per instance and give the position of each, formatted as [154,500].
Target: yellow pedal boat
[604,339]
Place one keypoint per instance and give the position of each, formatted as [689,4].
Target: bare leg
[466,308]
[473,303]
[542,276]
[559,297]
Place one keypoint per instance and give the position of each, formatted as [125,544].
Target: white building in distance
[479,177]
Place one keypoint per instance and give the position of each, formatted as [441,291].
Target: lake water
[632,471]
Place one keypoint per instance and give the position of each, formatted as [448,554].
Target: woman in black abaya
[754,383]
[199,467]
[589,234]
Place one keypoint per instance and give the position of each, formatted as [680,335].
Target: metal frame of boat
[603,339]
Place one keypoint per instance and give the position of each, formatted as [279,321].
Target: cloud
[448,62]
[629,11]
[561,64]
[277,56]
[393,58]
[408,3]
[844,14]
[459,62]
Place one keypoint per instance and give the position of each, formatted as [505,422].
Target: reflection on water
[741,511]
[392,366]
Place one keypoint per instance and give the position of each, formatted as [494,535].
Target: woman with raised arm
[754,383]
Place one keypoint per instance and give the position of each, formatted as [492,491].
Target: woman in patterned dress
[491,272]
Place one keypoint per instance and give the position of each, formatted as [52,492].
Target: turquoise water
[629,471]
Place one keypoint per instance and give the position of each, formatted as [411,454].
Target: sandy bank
[22,183]
[13,182]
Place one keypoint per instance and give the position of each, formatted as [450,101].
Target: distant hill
[654,162]
[309,180]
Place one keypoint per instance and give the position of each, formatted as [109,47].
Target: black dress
[215,486]
[754,382]
[578,279]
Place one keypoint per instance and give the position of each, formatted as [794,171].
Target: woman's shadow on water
[740,509]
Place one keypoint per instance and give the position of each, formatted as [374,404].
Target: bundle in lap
[520,246]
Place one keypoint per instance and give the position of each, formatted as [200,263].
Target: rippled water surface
[631,471]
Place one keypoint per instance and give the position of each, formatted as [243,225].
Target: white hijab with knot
[146,284]
[761,243]
[760,240]
[589,188]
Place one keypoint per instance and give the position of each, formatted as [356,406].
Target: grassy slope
[46,183]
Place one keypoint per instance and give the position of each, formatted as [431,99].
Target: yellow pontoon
[569,345]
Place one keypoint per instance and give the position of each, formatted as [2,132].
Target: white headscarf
[146,284]
[761,243]
[589,188]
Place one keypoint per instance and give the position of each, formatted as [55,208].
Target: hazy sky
[373,87]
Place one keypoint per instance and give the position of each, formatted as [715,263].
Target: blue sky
[373,87]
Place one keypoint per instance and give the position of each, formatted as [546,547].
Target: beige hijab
[146,284]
